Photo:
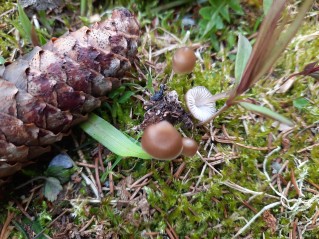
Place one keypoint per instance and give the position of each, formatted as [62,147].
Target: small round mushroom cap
[200,103]
[184,60]
[189,147]
[162,141]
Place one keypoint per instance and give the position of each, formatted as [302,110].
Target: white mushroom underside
[200,103]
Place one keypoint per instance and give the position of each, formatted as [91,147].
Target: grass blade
[266,5]
[109,170]
[244,50]
[267,112]
[112,138]
[284,39]
[25,22]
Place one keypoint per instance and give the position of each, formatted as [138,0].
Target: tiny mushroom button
[184,60]
[189,147]
[162,141]
[200,103]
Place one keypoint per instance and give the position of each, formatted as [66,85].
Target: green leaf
[63,174]
[25,22]
[149,84]
[212,22]
[225,13]
[267,5]
[42,39]
[206,12]
[112,138]
[117,92]
[267,112]
[235,5]
[20,228]
[52,188]
[125,97]
[301,103]
[107,172]
[243,53]
[34,226]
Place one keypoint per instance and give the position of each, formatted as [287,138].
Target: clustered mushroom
[184,60]
[162,141]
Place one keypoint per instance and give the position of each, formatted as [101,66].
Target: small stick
[294,182]
[145,182]
[97,176]
[87,224]
[272,205]
[23,211]
[10,215]
[111,179]
[172,230]
[100,158]
[141,179]
[82,157]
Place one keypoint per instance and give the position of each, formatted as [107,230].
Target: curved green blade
[112,138]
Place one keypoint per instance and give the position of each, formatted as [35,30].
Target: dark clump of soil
[166,108]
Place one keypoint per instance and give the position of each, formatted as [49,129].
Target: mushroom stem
[216,97]
[221,95]
[221,110]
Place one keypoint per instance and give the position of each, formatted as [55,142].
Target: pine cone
[52,88]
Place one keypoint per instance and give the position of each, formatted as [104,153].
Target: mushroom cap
[200,103]
[184,60]
[189,147]
[162,141]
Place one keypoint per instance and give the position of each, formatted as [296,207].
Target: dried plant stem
[245,190]
[10,216]
[92,185]
[275,204]
[31,181]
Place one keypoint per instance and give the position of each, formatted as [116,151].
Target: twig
[92,185]
[90,182]
[265,169]
[293,180]
[100,158]
[275,204]
[141,179]
[23,211]
[171,229]
[30,181]
[10,215]
[87,224]
[245,190]
[201,175]
[205,161]
[145,182]
[51,223]
[97,176]
[307,148]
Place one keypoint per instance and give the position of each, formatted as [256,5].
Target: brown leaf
[270,220]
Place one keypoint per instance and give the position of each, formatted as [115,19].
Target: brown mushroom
[189,147]
[184,60]
[162,141]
